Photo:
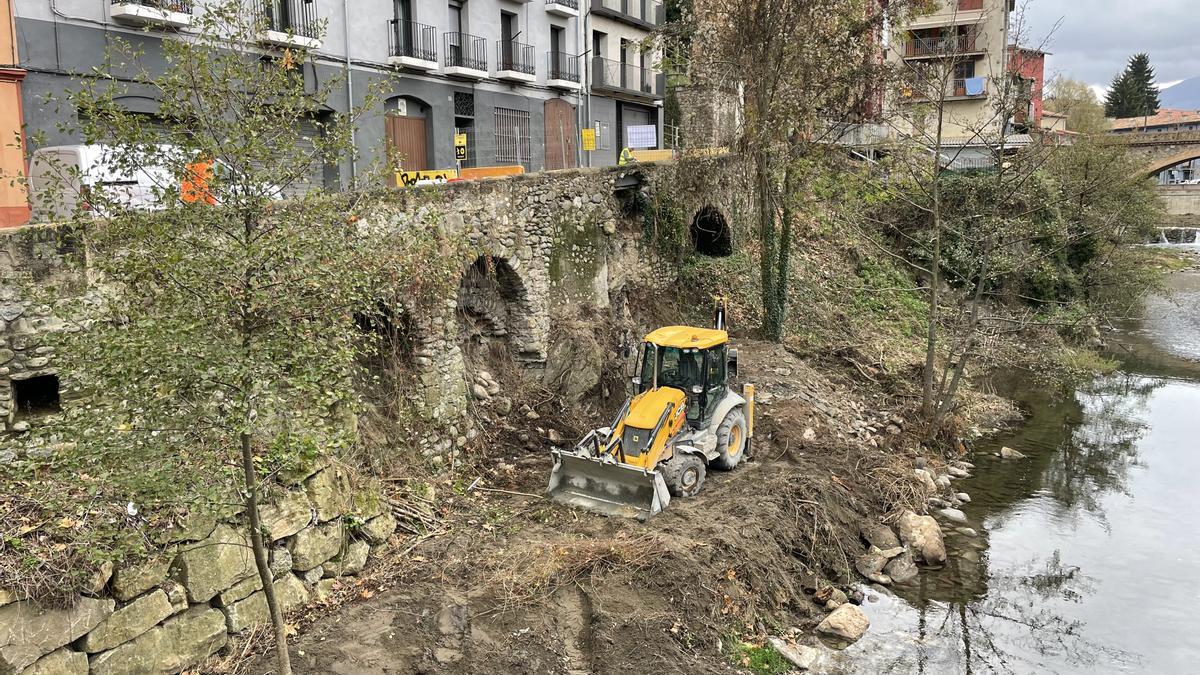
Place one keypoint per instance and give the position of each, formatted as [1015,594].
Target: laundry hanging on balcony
[975,86]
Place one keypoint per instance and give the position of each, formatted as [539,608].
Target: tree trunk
[282,658]
[783,269]
[768,242]
[935,280]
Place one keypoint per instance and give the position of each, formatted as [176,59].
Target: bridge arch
[1159,165]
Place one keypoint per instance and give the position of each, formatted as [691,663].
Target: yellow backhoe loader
[682,419]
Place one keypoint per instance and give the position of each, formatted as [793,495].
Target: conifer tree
[1133,92]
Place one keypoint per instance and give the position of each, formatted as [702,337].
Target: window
[598,40]
[512,137]
[603,135]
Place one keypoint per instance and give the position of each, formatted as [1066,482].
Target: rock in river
[923,536]
[953,515]
[1008,453]
[846,622]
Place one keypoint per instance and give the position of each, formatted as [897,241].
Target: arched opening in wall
[710,232]
[392,353]
[494,325]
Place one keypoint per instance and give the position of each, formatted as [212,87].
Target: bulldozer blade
[610,488]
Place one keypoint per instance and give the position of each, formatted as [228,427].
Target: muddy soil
[517,584]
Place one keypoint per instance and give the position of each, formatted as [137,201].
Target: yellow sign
[410,178]
[589,139]
[460,140]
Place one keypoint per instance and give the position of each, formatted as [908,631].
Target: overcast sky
[1096,37]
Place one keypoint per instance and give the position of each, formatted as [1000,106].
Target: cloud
[1092,40]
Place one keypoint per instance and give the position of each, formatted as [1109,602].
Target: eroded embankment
[510,583]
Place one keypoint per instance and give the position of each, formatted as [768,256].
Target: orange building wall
[14,205]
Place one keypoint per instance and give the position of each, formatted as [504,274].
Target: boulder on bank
[878,535]
[801,656]
[923,536]
[846,622]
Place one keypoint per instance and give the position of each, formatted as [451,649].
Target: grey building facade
[519,78]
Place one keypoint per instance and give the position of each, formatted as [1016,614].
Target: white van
[63,177]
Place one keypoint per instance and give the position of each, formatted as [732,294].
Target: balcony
[514,61]
[625,78]
[646,14]
[959,88]
[464,56]
[167,13]
[412,45]
[937,47]
[563,7]
[562,71]
[289,23]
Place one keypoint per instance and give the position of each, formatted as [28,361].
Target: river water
[1085,555]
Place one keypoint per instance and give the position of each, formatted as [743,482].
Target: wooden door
[407,147]
[561,135]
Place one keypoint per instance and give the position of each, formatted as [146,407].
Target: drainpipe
[586,69]
[349,92]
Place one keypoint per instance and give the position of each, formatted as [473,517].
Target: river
[1084,554]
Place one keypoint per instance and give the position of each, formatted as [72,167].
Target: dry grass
[531,575]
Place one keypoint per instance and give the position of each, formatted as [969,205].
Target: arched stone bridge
[549,251]
[1160,151]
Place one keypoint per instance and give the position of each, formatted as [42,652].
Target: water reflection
[1076,557]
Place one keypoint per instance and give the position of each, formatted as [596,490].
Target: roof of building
[1166,117]
[1051,113]
[687,337]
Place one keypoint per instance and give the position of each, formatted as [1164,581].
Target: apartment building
[519,78]
[970,37]
[14,207]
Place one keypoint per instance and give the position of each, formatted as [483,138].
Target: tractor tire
[731,440]
[684,475]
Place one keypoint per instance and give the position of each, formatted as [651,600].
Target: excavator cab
[701,372]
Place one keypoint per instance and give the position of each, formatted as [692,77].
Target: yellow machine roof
[688,337]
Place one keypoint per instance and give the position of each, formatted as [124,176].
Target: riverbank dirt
[508,582]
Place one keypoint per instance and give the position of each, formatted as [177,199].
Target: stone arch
[1159,165]
[710,232]
[496,312]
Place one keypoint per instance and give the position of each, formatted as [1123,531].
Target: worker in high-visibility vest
[626,157]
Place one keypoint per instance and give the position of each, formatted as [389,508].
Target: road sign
[589,139]
[460,146]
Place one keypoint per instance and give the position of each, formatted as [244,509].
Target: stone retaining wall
[174,610]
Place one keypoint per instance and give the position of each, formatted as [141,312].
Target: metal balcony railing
[461,50]
[573,4]
[182,6]
[515,56]
[298,17]
[562,66]
[941,46]
[959,88]
[626,76]
[412,39]
[641,11]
